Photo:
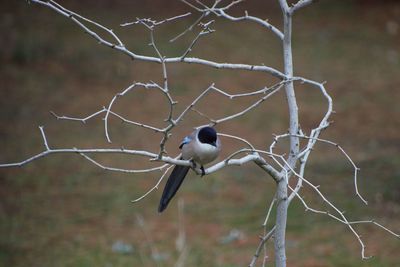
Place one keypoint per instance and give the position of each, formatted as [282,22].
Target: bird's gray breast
[200,152]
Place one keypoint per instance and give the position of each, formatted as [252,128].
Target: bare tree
[280,167]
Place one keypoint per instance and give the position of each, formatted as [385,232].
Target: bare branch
[239,139]
[152,156]
[46,145]
[54,5]
[207,9]
[342,218]
[281,168]
[236,162]
[310,147]
[120,47]
[301,4]
[83,120]
[266,91]
[284,6]
[137,123]
[202,114]
[356,169]
[190,28]
[269,211]
[231,4]
[191,5]
[48,151]
[259,21]
[120,169]
[165,90]
[154,187]
[206,30]
[108,109]
[377,224]
[220,12]
[263,240]
[257,103]
[154,22]
[104,110]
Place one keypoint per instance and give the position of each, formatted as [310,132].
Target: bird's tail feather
[171,187]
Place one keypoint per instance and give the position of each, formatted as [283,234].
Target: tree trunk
[282,189]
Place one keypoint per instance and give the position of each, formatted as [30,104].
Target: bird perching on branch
[201,147]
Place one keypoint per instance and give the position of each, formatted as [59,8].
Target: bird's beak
[214,144]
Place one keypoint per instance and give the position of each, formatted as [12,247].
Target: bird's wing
[185,141]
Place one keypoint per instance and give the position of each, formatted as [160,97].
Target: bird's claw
[194,167]
[203,172]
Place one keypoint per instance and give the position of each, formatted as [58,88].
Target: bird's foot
[203,172]
[194,167]
[194,164]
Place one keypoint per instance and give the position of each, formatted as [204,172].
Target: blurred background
[64,211]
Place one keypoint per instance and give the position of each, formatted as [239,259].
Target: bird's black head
[208,135]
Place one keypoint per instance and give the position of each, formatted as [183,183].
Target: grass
[62,211]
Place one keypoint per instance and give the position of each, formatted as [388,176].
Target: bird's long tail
[171,187]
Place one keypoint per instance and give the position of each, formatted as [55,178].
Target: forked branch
[281,168]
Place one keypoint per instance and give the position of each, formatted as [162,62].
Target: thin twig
[46,145]
[160,168]
[154,187]
[117,46]
[263,240]
[154,22]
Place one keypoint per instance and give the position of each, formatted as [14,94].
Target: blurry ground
[62,211]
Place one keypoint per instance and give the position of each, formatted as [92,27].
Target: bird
[202,146]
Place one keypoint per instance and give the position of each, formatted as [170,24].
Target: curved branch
[220,12]
[152,156]
[120,169]
[301,4]
[154,187]
[120,47]
[259,21]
